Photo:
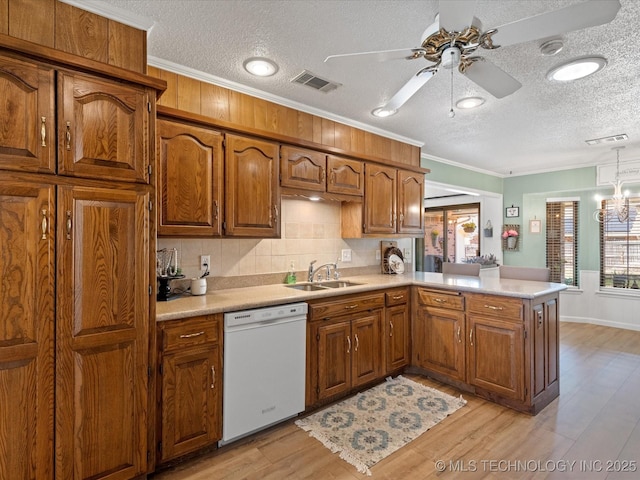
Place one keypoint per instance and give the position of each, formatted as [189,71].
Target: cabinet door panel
[191,382]
[26,330]
[102,129]
[334,359]
[366,360]
[380,199]
[496,356]
[101,333]
[190,170]
[253,198]
[442,343]
[410,200]
[304,169]
[397,337]
[27,117]
[345,176]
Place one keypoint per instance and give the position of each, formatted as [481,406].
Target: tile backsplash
[310,231]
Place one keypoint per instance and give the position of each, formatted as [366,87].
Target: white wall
[310,231]
[589,305]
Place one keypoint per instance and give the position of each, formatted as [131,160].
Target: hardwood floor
[591,431]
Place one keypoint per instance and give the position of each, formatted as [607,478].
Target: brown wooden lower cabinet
[397,329]
[190,387]
[502,348]
[345,347]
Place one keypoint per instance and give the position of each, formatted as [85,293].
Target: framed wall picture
[513,211]
[535,226]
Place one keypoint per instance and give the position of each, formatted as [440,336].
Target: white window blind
[562,241]
[620,247]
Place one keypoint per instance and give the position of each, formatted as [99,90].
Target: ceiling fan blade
[407,91]
[491,78]
[456,15]
[574,17]
[382,55]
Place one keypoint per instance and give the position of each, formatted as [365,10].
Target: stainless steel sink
[311,287]
[339,284]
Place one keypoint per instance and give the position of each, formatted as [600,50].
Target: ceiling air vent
[310,80]
[612,138]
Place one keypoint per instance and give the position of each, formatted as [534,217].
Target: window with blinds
[562,241]
[620,246]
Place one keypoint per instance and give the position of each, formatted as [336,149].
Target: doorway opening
[452,234]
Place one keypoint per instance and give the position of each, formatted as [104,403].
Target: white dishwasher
[264,368]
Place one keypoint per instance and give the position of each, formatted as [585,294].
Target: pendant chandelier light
[619,202]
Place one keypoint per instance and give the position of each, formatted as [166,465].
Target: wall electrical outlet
[407,254]
[205,262]
[346,255]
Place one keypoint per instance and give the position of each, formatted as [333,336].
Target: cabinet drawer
[493,305]
[188,333]
[452,301]
[396,297]
[345,306]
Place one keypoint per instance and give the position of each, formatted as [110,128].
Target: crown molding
[112,12]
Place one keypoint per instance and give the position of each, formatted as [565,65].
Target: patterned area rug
[375,423]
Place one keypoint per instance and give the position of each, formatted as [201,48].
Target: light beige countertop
[234,299]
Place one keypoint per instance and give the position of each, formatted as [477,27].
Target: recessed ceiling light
[470,102]
[383,112]
[576,68]
[551,47]
[259,66]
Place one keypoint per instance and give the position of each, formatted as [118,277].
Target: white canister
[198,286]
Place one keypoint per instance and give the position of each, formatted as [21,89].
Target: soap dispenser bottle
[291,276]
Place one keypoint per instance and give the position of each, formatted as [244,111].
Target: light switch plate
[346,255]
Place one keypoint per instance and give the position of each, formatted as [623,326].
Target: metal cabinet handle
[391,328]
[68,135]
[349,344]
[492,307]
[351,307]
[357,343]
[275,211]
[44,224]
[459,338]
[324,175]
[439,300]
[332,178]
[471,337]
[43,131]
[398,297]
[69,224]
[213,377]
[216,209]
[191,335]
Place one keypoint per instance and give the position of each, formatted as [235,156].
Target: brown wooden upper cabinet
[190,176]
[392,204]
[252,206]
[102,129]
[27,116]
[315,171]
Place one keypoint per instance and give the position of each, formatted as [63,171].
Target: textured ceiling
[541,127]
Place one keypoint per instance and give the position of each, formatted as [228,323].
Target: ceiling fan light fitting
[450,57]
[382,112]
[576,68]
[260,66]
[470,102]
[551,47]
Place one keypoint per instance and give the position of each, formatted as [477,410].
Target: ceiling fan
[451,42]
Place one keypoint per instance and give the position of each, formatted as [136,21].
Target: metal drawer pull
[357,343]
[68,135]
[391,331]
[398,297]
[439,300]
[44,224]
[43,131]
[491,307]
[191,335]
[459,338]
[69,224]
[349,344]
[213,377]
[351,307]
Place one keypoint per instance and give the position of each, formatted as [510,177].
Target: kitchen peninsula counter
[244,298]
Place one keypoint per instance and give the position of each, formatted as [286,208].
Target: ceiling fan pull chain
[451,112]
